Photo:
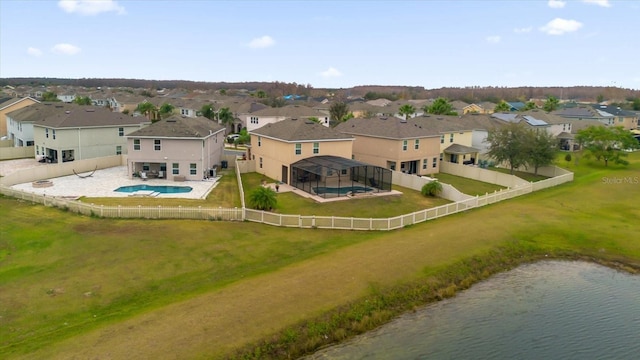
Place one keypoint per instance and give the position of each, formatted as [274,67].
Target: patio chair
[160,174]
[143,176]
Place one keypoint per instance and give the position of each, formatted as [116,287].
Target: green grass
[364,207]
[521,174]
[467,186]
[73,286]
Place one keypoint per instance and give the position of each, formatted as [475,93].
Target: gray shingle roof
[299,130]
[460,149]
[38,111]
[417,127]
[180,127]
[292,111]
[87,116]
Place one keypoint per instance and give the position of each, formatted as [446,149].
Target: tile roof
[299,130]
[86,116]
[180,127]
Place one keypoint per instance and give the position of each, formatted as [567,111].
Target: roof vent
[171,120]
[67,112]
[440,118]
[90,110]
[294,118]
[404,121]
[383,118]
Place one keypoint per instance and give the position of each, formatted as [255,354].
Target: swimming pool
[162,189]
[341,190]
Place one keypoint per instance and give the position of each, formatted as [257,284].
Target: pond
[547,310]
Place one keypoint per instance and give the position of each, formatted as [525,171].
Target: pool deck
[103,183]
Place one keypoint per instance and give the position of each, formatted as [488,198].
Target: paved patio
[103,183]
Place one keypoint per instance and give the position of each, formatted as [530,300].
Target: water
[548,310]
[340,190]
[163,189]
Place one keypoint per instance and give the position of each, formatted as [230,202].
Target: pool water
[163,189]
[341,190]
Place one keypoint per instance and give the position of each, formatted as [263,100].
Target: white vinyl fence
[296,221]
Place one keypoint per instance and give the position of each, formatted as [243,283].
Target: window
[46,133]
[118,150]
[254,120]
[316,148]
[29,143]
[435,163]
[37,150]
[441,139]
[425,164]
[405,144]
[136,144]
[145,167]
[416,145]
[260,163]
[391,165]
[193,169]
[343,171]
[163,167]
[451,137]
[54,134]
[298,149]
[156,145]
[120,131]
[441,156]
[259,140]
[175,169]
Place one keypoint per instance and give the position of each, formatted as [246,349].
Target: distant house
[616,116]
[265,116]
[10,105]
[176,148]
[314,158]
[81,132]
[66,98]
[516,105]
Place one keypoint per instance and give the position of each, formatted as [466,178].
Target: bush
[431,188]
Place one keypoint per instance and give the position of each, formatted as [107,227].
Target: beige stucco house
[276,146]
[82,132]
[176,148]
[271,115]
[12,105]
[394,144]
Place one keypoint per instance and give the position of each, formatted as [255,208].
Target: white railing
[286,220]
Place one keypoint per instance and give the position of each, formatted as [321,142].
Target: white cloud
[90,7]
[34,51]
[560,26]
[331,72]
[65,49]
[493,39]
[262,42]
[523,30]
[556,4]
[603,3]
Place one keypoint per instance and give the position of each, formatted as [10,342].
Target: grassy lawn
[521,174]
[79,287]
[366,207]
[466,185]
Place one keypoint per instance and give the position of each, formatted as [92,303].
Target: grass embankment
[189,289]
[468,186]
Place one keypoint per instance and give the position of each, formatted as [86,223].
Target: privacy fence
[462,203]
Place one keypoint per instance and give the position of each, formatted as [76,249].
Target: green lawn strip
[466,185]
[589,218]
[521,174]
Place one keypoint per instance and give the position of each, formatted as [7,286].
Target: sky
[327,44]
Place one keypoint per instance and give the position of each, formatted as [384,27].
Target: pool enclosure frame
[336,172]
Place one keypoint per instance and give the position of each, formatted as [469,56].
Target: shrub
[431,188]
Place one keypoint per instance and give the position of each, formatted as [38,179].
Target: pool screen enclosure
[343,176]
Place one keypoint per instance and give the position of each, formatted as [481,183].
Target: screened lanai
[331,176]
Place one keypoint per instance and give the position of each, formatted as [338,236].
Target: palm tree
[166,109]
[225,117]
[407,110]
[551,104]
[441,106]
[432,188]
[263,198]
[338,111]
[147,109]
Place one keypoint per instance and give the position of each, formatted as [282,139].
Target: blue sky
[327,43]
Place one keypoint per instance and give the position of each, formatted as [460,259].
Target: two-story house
[265,116]
[10,105]
[20,122]
[176,148]
[82,132]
